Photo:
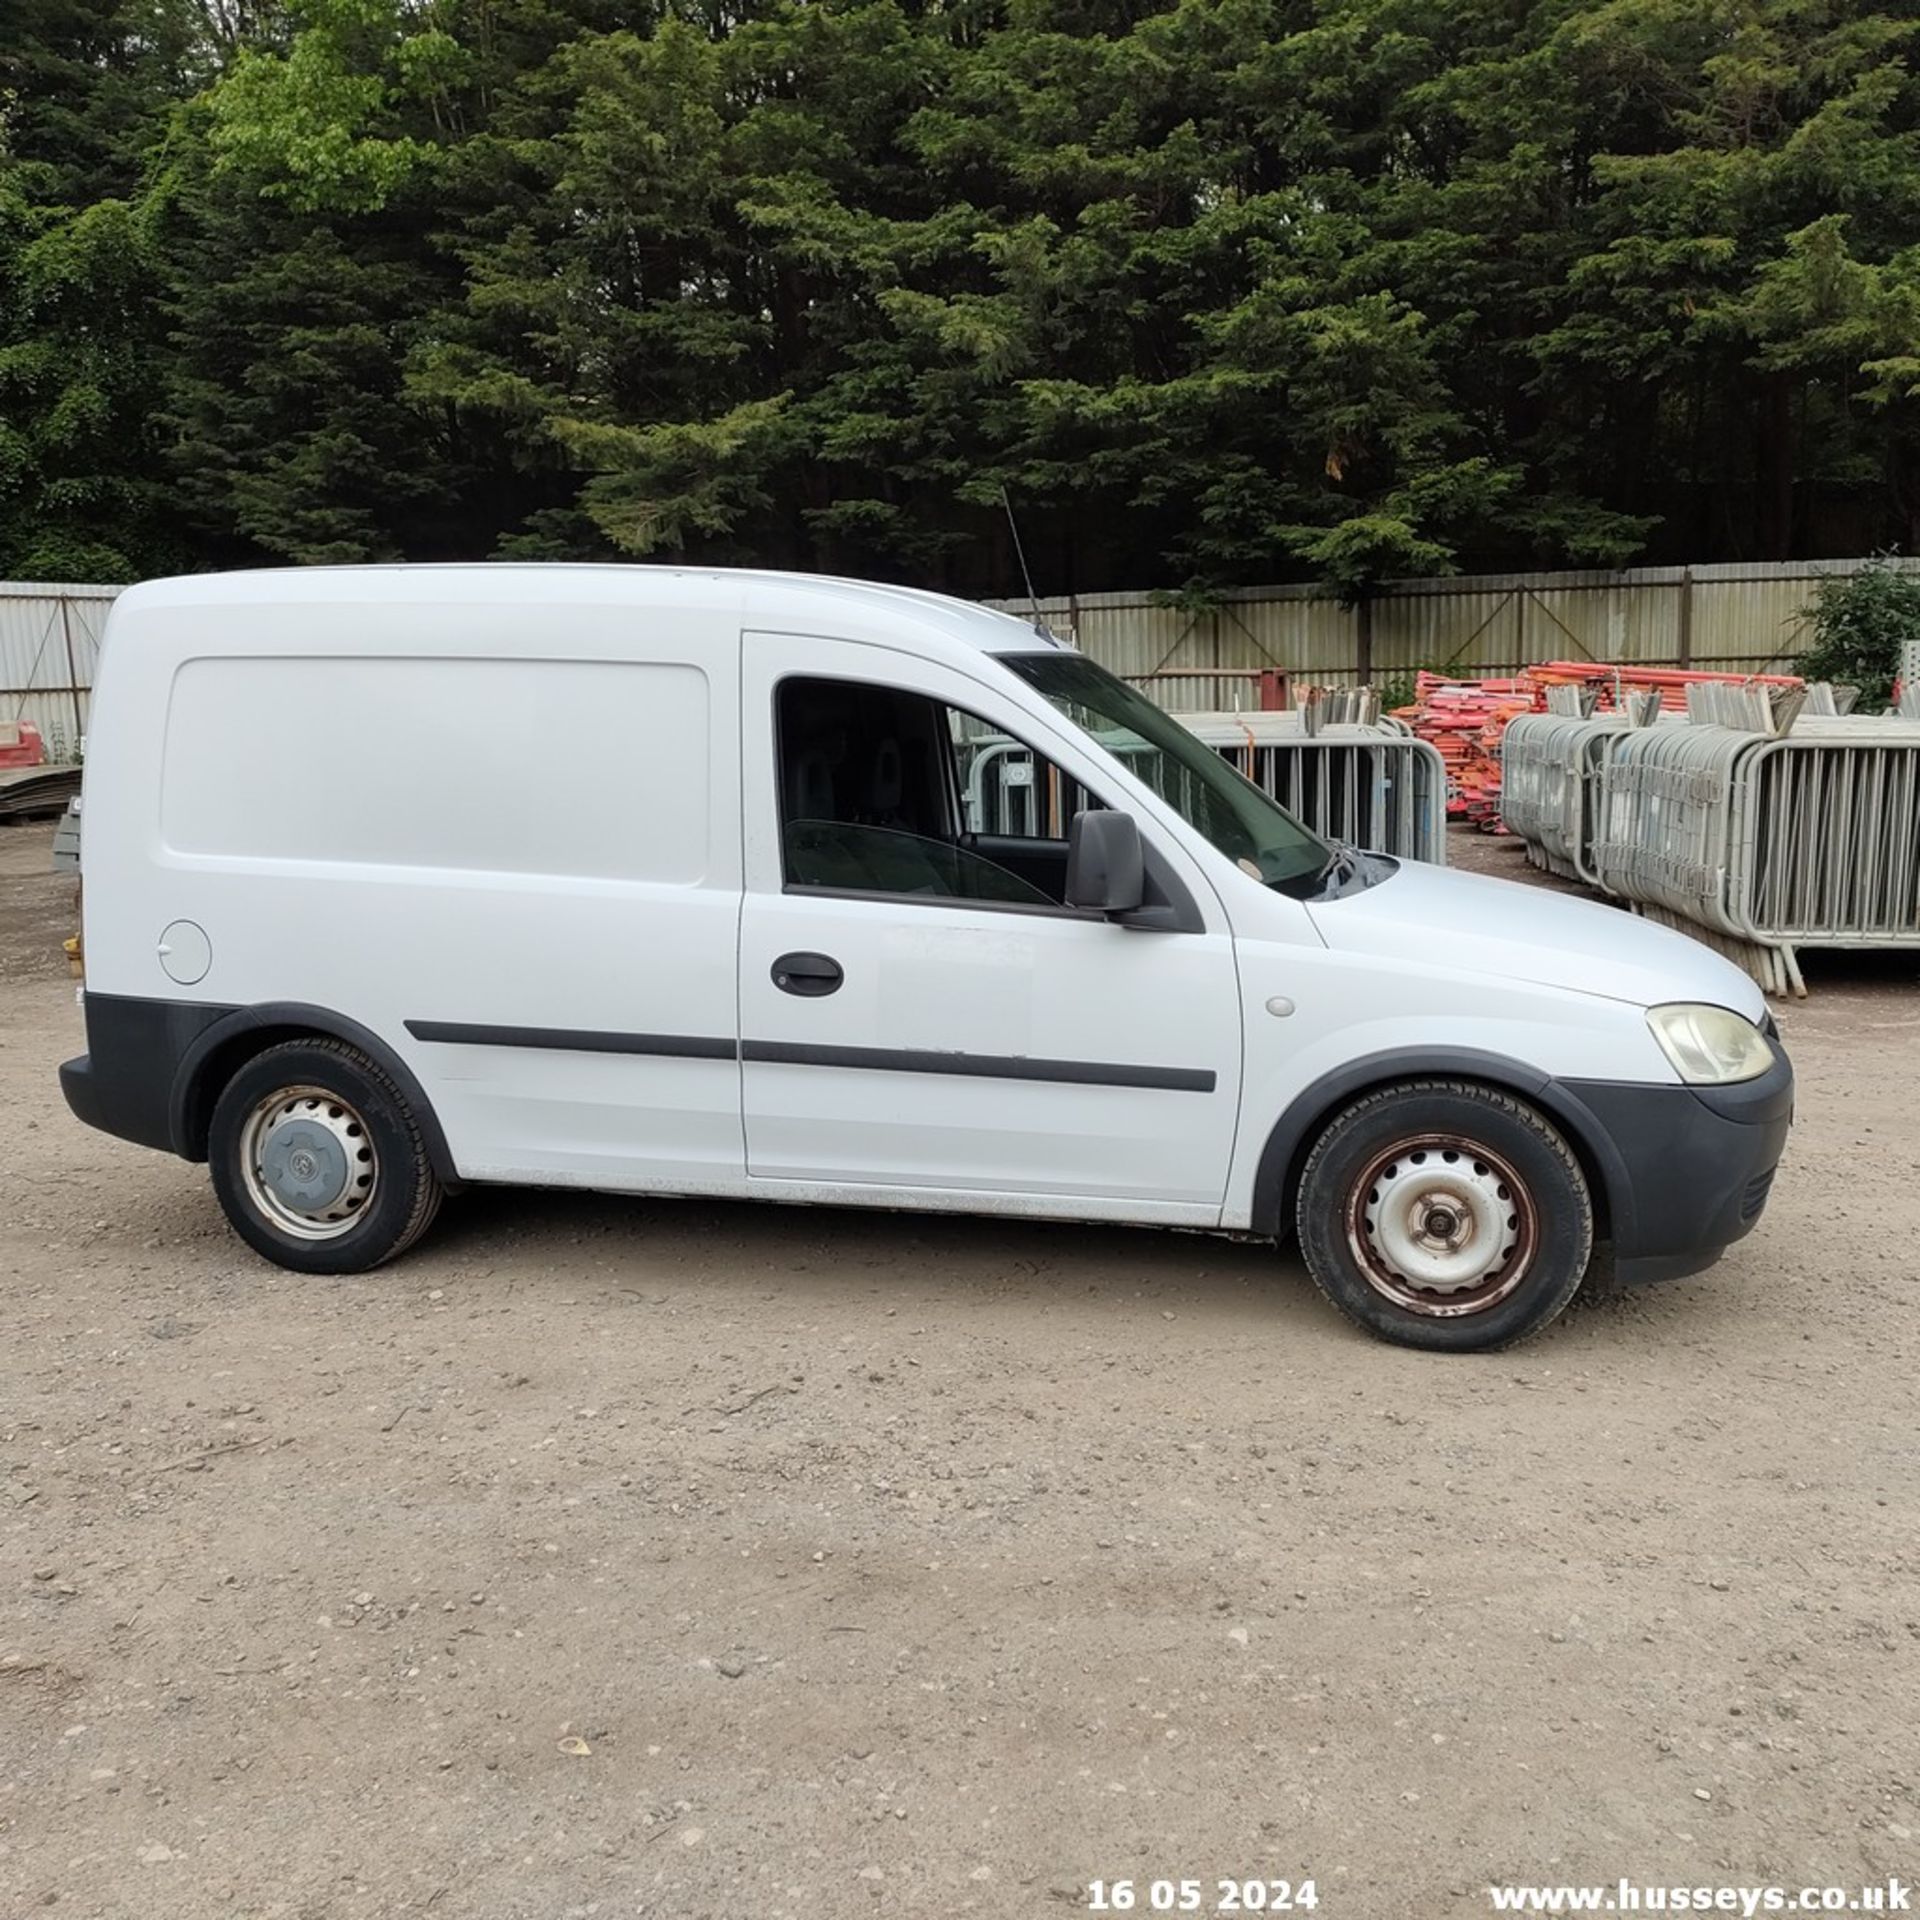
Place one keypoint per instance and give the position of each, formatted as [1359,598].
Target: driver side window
[1007,791]
[895,793]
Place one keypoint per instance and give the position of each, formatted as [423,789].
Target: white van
[661,881]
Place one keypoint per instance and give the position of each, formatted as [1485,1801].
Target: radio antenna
[1020,553]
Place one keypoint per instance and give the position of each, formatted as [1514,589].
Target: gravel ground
[619,1557]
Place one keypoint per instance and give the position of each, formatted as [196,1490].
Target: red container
[20,744]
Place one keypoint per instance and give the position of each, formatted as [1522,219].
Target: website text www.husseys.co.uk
[1628,1896]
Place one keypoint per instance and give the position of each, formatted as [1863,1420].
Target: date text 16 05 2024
[1222,1894]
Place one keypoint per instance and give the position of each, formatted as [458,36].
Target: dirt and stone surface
[616,1557]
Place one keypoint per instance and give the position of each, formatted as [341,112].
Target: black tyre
[1445,1215]
[318,1160]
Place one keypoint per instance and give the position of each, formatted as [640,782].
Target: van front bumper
[1690,1167]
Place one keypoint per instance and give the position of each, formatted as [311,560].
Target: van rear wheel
[1445,1215]
[318,1161]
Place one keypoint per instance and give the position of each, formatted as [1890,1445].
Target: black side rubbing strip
[976,1066]
[680,1046]
[982,1066]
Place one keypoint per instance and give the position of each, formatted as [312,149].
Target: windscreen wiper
[1351,869]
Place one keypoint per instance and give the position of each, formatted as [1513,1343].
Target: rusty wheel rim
[1441,1226]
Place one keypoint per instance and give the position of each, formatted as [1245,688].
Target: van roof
[751,592]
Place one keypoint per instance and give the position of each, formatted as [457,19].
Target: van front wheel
[318,1161]
[1445,1215]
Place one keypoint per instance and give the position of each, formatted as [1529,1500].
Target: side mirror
[1106,870]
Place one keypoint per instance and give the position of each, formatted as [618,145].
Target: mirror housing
[1106,866]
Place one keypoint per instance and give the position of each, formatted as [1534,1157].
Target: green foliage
[1860,622]
[1217,291]
[78,490]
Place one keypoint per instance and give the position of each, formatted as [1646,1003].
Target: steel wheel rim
[1442,1226]
[308,1163]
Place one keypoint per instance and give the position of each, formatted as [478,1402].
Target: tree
[85,86]
[1861,621]
[79,492]
[1215,291]
[300,215]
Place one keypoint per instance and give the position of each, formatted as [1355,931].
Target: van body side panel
[358,808]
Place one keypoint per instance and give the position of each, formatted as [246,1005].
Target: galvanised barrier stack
[1375,786]
[1662,818]
[1549,763]
[1758,842]
[1825,845]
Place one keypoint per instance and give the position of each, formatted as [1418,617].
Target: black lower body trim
[124,1084]
[153,1068]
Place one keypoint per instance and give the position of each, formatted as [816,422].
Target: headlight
[1710,1046]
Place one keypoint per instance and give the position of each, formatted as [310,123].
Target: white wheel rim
[308,1163]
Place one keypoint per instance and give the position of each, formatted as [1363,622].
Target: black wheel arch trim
[189,1135]
[1277,1176]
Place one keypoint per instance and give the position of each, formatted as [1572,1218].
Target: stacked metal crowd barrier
[1371,784]
[1549,763]
[1761,842]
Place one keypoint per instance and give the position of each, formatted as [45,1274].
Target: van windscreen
[1247,825]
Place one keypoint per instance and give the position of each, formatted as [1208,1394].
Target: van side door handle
[812,975]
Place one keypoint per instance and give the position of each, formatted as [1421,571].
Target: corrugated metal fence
[49,647]
[1733,619]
